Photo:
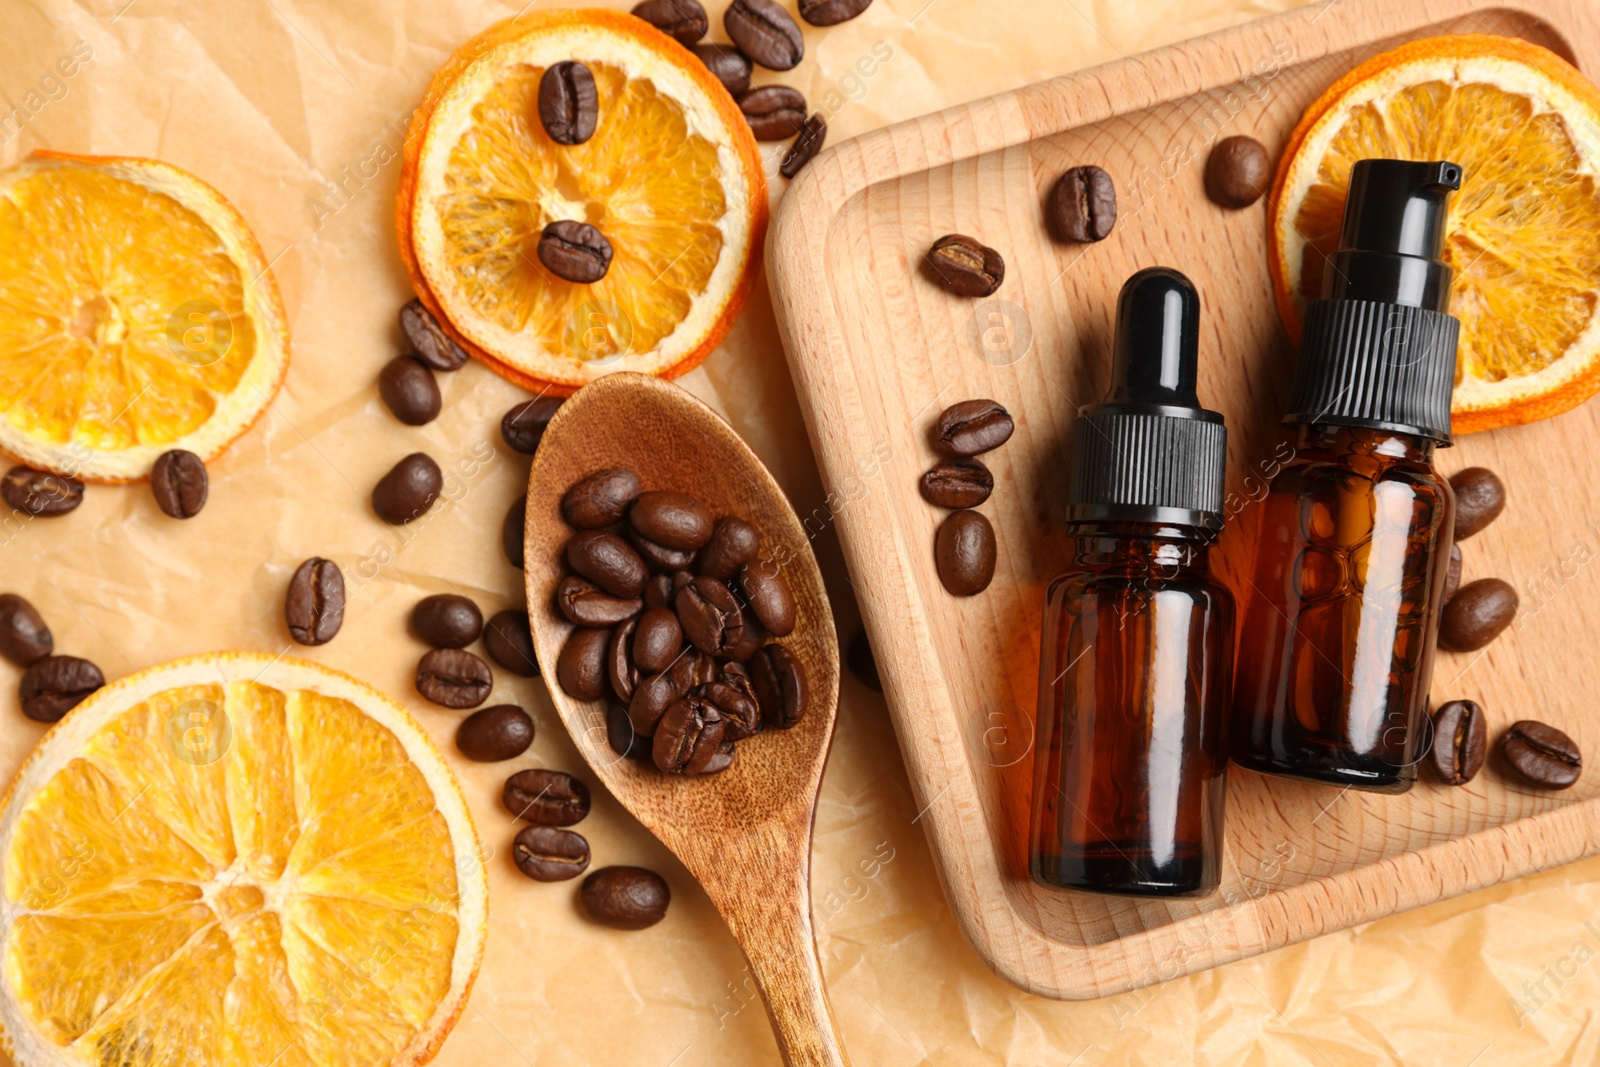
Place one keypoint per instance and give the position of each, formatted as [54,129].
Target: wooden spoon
[744,833]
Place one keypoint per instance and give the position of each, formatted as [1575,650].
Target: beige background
[272,100]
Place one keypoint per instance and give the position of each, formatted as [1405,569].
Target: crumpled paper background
[296,110]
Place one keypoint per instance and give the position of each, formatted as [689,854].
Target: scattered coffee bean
[550,798]
[672,520]
[775,112]
[509,642]
[55,685]
[1477,614]
[962,482]
[765,32]
[831,12]
[408,490]
[1460,740]
[1238,172]
[628,898]
[964,551]
[409,390]
[575,251]
[586,605]
[608,561]
[314,605]
[735,700]
[733,543]
[769,596]
[621,736]
[512,530]
[620,666]
[963,266]
[683,20]
[453,678]
[731,66]
[427,338]
[1083,205]
[569,106]
[1541,754]
[600,499]
[806,145]
[547,854]
[780,686]
[40,493]
[523,426]
[862,663]
[973,427]
[658,592]
[710,614]
[493,734]
[24,637]
[581,667]
[1480,498]
[446,620]
[657,640]
[659,557]
[179,483]
[687,736]
[1452,574]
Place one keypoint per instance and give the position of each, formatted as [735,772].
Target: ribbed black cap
[1378,349]
[1150,452]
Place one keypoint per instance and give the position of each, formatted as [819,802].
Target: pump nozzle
[1157,340]
[1393,235]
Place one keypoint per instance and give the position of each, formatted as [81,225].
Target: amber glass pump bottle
[1136,647]
[1336,650]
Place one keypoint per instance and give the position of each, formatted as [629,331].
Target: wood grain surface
[877,351]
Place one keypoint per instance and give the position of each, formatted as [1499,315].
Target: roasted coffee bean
[831,12]
[733,543]
[683,20]
[656,693]
[720,760]
[737,704]
[1238,172]
[600,499]
[453,678]
[575,251]
[769,596]
[493,734]
[55,685]
[1477,614]
[687,736]
[657,640]
[408,490]
[1541,754]
[972,427]
[1083,205]
[775,112]
[1480,498]
[755,635]
[428,340]
[547,854]
[446,620]
[179,483]
[550,798]
[621,736]
[409,390]
[806,146]
[963,266]
[731,66]
[960,482]
[608,561]
[314,605]
[512,531]
[658,592]
[862,662]
[964,549]
[620,666]
[24,637]
[586,605]
[581,667]
[509,642]
[780,686]
[569,106]
[659,557]
[1452,574]
[710,614]
[1460,740]
[524,425]
[40,493]
[765,32]
[628,898]
[671,520]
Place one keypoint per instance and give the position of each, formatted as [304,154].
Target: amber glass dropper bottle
[1136,648]
[1336,650]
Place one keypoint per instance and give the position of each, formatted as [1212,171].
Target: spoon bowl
[744,833]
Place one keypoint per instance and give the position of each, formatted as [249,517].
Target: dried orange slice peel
[137,315]
[671,176]
[1524,233]
[236,859]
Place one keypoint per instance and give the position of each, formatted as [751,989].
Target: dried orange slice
[236,859]
[671,176]
[1524,231]
[137,315]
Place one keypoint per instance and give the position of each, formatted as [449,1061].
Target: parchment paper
[295,110]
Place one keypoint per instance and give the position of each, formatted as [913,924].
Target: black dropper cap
[1150,452]
[1378,349]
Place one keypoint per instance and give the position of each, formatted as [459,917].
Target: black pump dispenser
[1150,452]
[1378,350]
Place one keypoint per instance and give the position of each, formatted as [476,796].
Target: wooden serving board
[877,351]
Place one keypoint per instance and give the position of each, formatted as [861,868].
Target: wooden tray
[877,352]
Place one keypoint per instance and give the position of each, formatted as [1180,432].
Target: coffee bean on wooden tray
[806,145]
[608,561]
[973,427]
[731,66]
[1478,613]
[1541,754]
[55,685]
[585,604]
[1460,741]
[453,678]
[179,483]
[628,898]
[781,687]
[569,106]
[40,493]
[547,854]
[964,553]
[964,266]
[960,482]
[447,620]
[768,595]
[409,390]
[1238,171]
[600,499]
[24,637]
[672,520]
[683,20]
[314,604]
[551,798]
[490,735]
[688,736]
[427,338]
[1082,206]
[582,668]
[765,32]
